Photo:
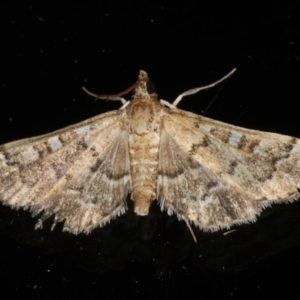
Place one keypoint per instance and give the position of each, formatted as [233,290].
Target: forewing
[223,174]
[80,173]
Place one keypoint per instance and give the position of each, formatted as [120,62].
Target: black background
[49,50]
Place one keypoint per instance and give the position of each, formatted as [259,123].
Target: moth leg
[125,105]
[196,90]
[166,103]
[191,230]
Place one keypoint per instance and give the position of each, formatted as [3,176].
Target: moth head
[143,76]
[144,87]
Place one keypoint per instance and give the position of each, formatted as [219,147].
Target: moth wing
[216,175]
[80,173]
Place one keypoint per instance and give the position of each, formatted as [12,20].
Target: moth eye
[151,89]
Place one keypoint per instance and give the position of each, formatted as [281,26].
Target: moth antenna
[106,97]
[131,88]
[196,90]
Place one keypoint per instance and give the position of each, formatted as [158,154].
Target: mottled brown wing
[80,173]
[216,175]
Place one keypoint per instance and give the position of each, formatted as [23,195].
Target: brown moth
[208,173]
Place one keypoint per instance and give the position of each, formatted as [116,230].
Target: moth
[211,174]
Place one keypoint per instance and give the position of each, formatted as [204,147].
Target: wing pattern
[216,175]
[80,173]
